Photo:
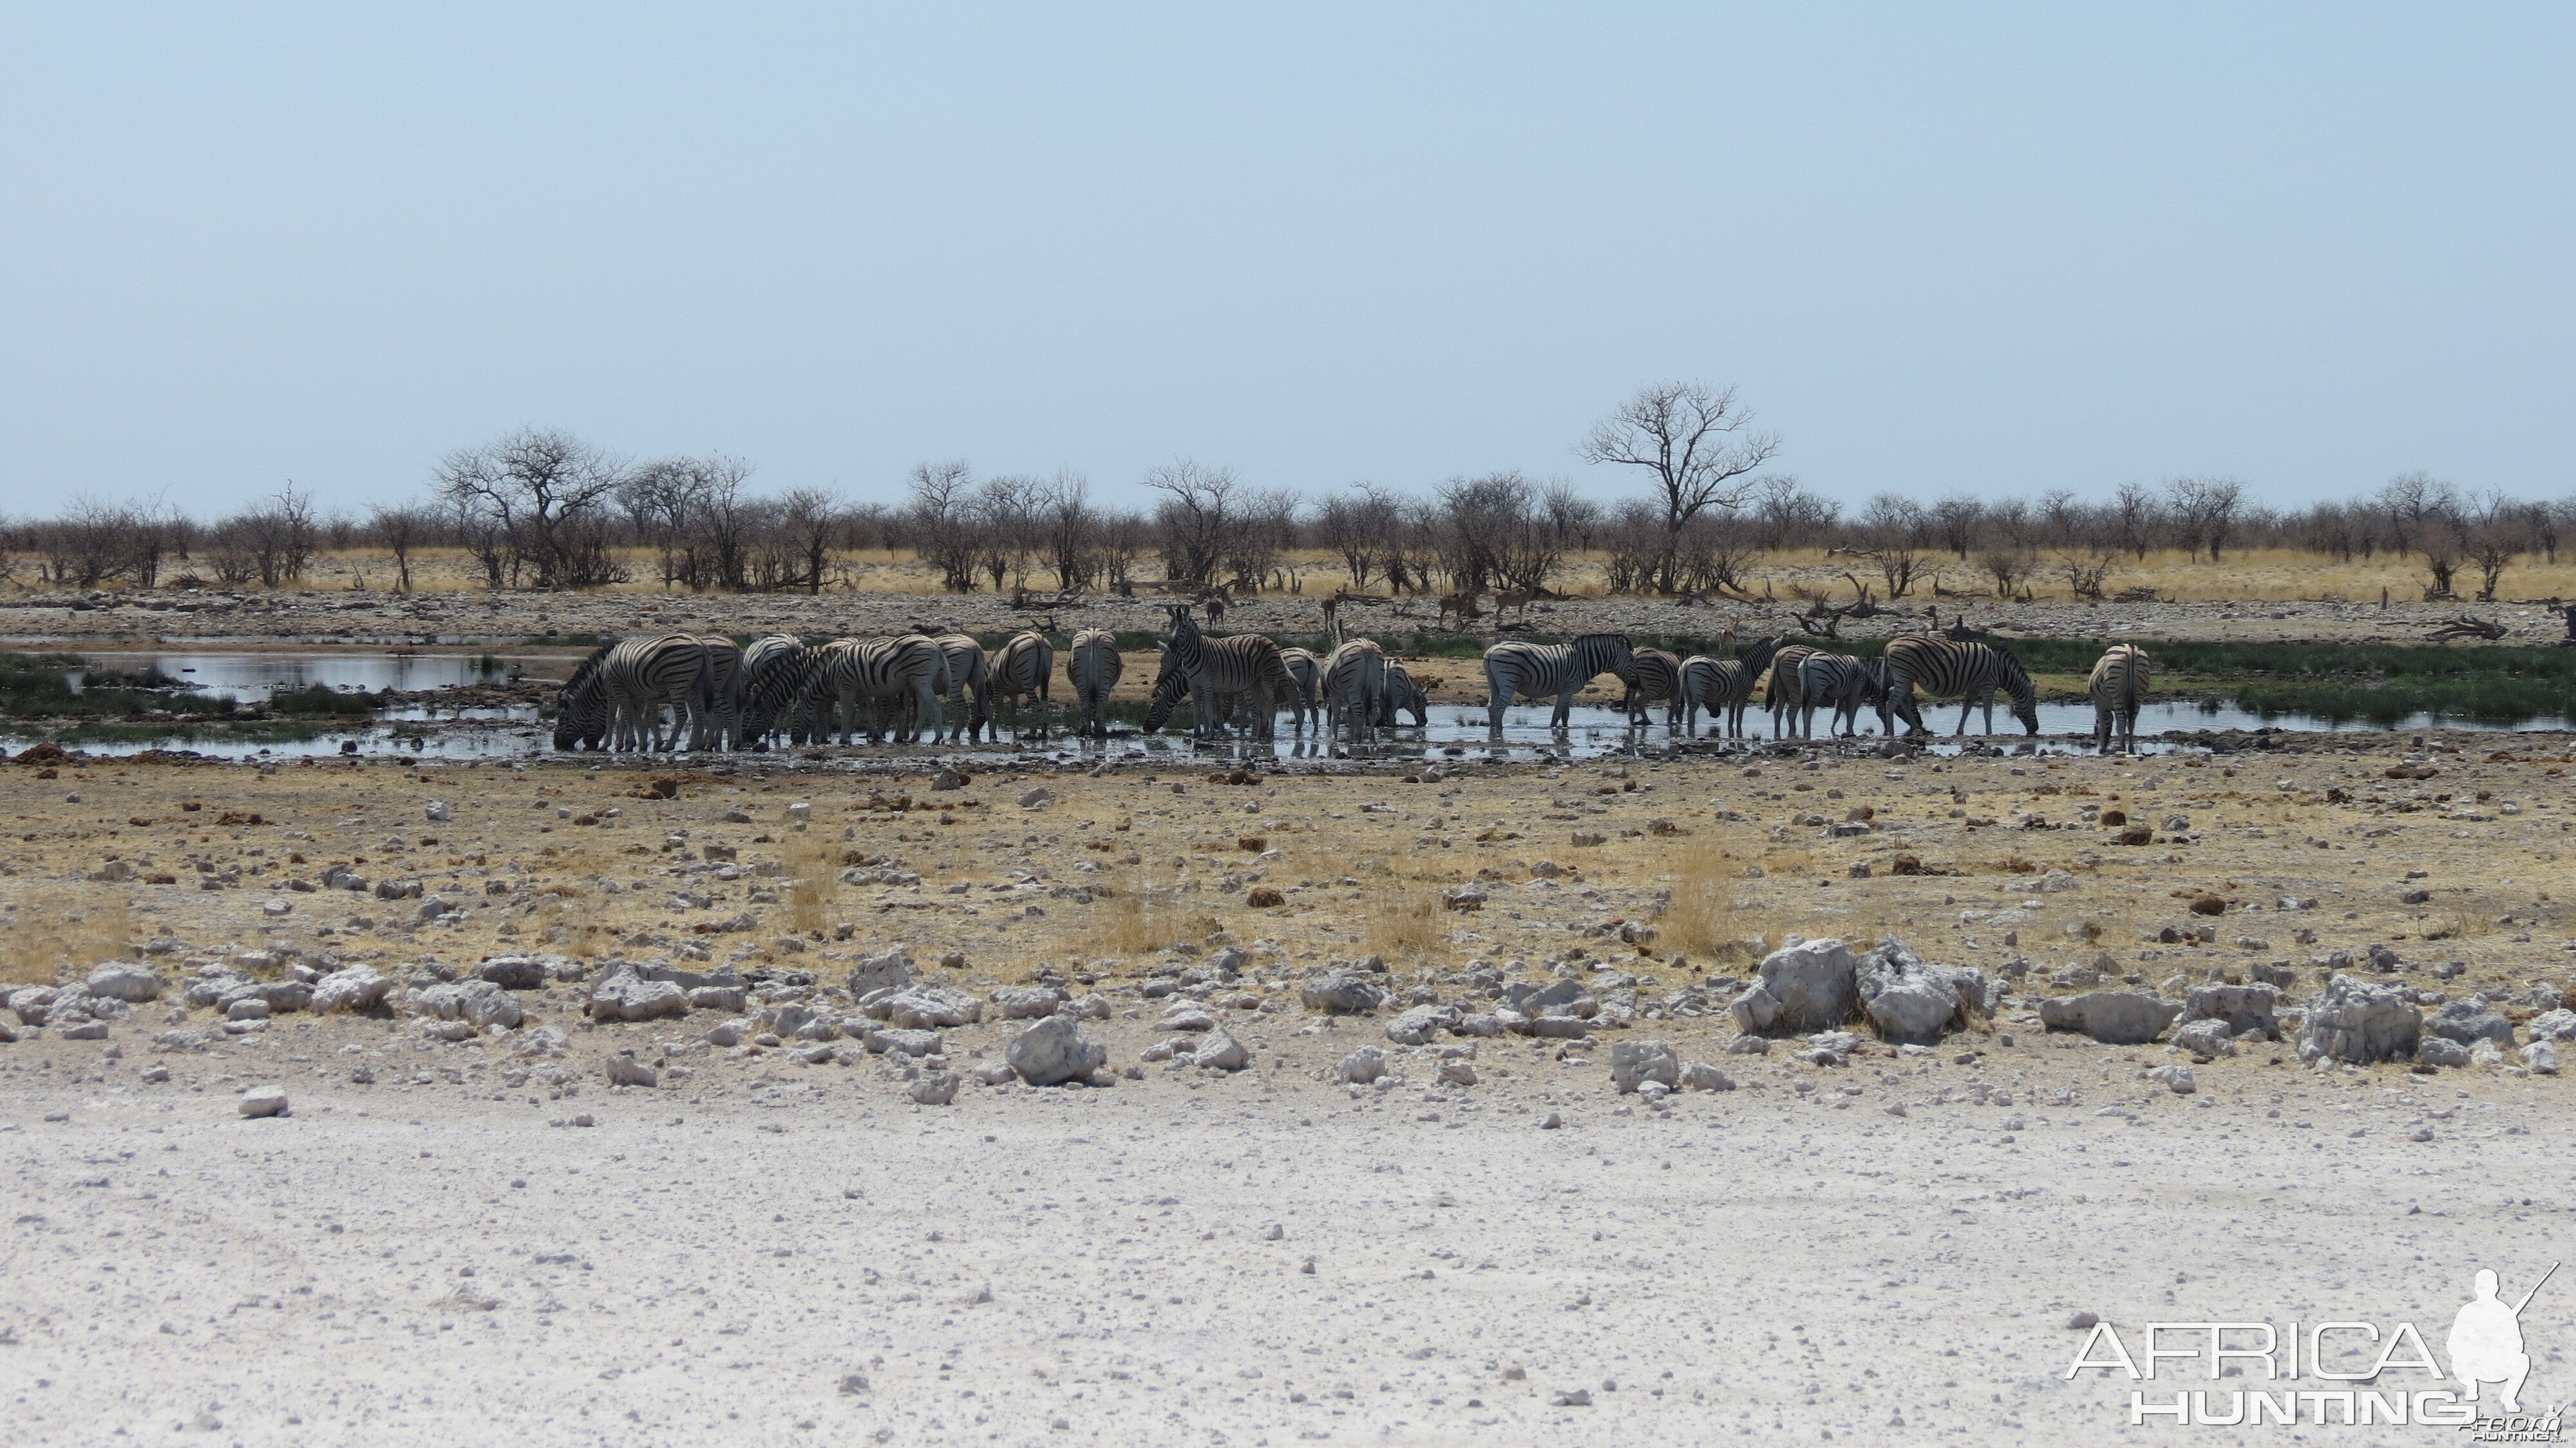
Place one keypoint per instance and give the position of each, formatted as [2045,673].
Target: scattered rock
[1457,1073]
[357,988]
[2354,1021]
[2205,1039]
[887,969]
[1222,1052]
[1909,1000]
[2469,1021]
[1633,1063]
[936,1088]
[1362,1066]
[1027,1002]
[1338,993]
[2540,1058]
[262,1101]
[2242,1009]
[2116,1018]
[120,980]
[627,1071]
[2177,1079]
[2436,1051]
[1421,1025]
[1806,987]
[925,1007]
[513,972]
[1701,1076]
[1053,1052]
[623,995]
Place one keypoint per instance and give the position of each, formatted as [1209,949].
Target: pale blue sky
[1998,248]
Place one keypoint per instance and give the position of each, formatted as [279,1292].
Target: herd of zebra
[724,695]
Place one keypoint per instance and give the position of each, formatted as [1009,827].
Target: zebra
[716,709]
[1841,683]
[1354,688]
[1535,670]
[1658,677]
[1780,695]
[1722,686]
[773,675]
[1306,669]
[1237,664]
[1973,671]
[909,668]
[1403,694]
[970,684]
[1092,666]
[1024,666]
[617,693]
[2118,686]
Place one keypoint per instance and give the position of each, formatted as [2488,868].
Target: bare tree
[547,493]
[1357,526]
[1006,528]
[401,529]
[2139,515]
[808,521]
[1198,517]
[1693,442]
[1894,530]
[2205,513]
[1072,528]
[944,522]
[1960,519]
[1575,515]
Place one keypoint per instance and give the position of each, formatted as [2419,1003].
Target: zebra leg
[1563,718]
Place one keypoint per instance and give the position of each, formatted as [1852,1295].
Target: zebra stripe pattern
[716,710]
[1354,688]
[1307,670]
[1533,671]
[2119,686]
[1843,684]
[970,684]
[890,672]
[617,694]
[1092,666]
[1723,686]
[1024,667]
[773,674]
[1939,667]
[1780,695]
[1403,695]
[1658,678]
[1238,664]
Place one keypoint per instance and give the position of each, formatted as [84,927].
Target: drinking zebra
[1939,667]
[1843,684]
[970,684]
[716,711]
[1722,686]
[1025,666]
[1514,667]
[616,695]
[2118,686]
[1306,669]
[773,675]
[1404,695]
[872,672]
[1353,688]
[1658,677]
[1238,664]
[1092,666]
[1780,694]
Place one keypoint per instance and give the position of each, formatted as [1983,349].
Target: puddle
[249,678]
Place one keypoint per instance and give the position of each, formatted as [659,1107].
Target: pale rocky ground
[361,617]
[718,1255]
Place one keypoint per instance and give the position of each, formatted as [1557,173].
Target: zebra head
[1169,685]
[581,713]
[2025,697]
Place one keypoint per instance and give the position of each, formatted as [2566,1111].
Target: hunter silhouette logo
[2486,1340]
[2346,1371]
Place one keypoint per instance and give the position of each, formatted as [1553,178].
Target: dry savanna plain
[1450,1098]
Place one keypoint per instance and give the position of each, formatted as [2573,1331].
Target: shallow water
[250,678]
[496,732]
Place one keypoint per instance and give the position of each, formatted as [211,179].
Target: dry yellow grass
[52,930]
[2247,575]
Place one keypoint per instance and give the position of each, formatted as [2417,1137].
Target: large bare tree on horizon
[1694,441]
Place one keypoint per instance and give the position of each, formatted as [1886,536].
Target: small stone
[934,1089]
[262,1101]
[2083,1320]
[627,1071]
[1550,1122]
